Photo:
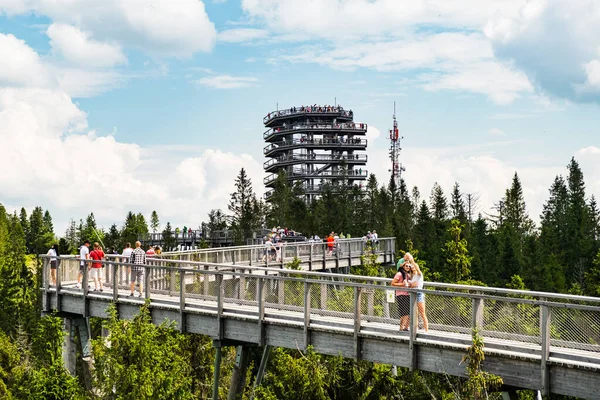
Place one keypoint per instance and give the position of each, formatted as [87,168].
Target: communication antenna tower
[395,138]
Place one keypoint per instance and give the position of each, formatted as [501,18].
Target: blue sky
[148,105]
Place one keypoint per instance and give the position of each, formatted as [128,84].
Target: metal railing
[341,174]
[286,144]
[327,110]
[316,158]
[347,126]
[537,324]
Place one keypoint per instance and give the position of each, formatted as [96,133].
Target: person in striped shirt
[138,257]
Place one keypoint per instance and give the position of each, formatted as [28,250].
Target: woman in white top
[53,253]
[417,282]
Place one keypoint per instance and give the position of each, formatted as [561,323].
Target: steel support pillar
[217,371]
[261,369]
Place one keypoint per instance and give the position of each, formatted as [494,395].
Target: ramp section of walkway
[312,255]
[540,341]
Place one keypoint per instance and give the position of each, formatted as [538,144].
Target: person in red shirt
[150,252]
[330,243]
[96,271]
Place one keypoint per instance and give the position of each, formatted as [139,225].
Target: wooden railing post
[306,315]
[261,311]
[115,270]
[181,301]
[412,332]
[146,282]
[545,318]
[220,295]
[357,347]
[477,314]
[58,282]
[46,282]
[85,286]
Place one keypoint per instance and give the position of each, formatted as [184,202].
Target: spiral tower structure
[314,145]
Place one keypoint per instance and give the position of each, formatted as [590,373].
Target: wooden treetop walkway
[533,340]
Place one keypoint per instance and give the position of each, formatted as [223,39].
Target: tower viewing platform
[314,145]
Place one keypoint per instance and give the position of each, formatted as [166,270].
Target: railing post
[181,301]
[242,289]
[115,269]
[280,291]
[46,281]
[477,315]
[412,332]
[233,257]
[219,282]
[357,349]
[306,315]
[206,278]
[146,282]
[58,283]
[545,317]
[323,296]
[310,257]
[85,286]
[261,311]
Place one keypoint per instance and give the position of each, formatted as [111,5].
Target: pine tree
[47,223]
[168,238]
[439,203]
[458,260]
[458,205]
[71,236]
[579,245]
[24,221]
[242,205]
[154,222]
[39,238]
[112,240]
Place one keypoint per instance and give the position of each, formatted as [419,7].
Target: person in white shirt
[417,282]
[126,254]
[53,253]
[84,254]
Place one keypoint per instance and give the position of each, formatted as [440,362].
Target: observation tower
[314,145]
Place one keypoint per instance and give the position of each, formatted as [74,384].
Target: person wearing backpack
[96,271]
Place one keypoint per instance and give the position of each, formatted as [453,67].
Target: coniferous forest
[452,235]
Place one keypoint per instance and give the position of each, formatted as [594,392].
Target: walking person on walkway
[417,282]
[402,280]
[53,253]
[84,254]
[138,257]
[96,271]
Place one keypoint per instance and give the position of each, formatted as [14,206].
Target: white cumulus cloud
[79,49]
[157,27]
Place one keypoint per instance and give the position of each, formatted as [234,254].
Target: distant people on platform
[177,231]
[138,258]
[96,270]
[409,275]
[84,254]
[53,253]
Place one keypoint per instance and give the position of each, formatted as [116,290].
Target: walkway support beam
[261,369]
[217,370]
[238,376]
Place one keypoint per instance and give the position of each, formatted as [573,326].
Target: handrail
[376,282]
[304,141]
[348,174]
[287,245]
[347,126]
[351,158]
[336,110]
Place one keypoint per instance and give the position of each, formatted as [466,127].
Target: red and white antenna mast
[395,149]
